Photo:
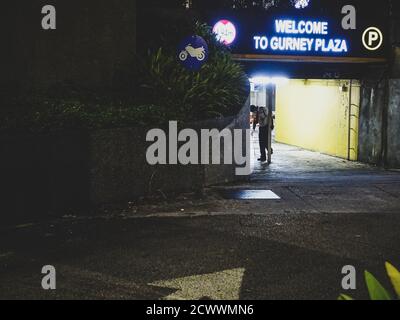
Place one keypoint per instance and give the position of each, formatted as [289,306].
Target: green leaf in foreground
[376,290]
[394,276]
[344,297]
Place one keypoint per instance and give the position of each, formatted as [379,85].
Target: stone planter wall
[57,174]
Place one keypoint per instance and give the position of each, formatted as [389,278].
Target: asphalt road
[216,248]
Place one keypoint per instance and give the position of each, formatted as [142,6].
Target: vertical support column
[392,129]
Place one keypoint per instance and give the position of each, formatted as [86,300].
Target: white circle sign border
[232,38]
[380,42]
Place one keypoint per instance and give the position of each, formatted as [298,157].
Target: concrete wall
[393,128]
[393,142]
[371,135]
[55,174]
[396,64]
[392,112]
[393,131]
[119,169]
[220,174]
[380,106]
[43,174]
[379,135]
[93,39]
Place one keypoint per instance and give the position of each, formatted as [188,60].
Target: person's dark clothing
[255,121]
[263,137]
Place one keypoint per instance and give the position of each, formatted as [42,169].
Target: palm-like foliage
[219,88]
[376,289]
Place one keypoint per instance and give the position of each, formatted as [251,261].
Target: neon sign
[301,27]
[225,32]
[300,4]
[301,36]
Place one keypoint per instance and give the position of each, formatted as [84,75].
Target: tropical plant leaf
[376,290]
[344,297]
[394,276]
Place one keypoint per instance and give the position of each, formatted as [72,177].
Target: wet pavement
[331,213]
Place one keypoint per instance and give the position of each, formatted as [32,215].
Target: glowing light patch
[301,4]
[225,32]
[265,80]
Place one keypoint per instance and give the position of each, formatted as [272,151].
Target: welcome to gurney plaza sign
[323,28]
[294,36]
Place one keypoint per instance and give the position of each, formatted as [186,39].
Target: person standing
[254,114]
[263,121]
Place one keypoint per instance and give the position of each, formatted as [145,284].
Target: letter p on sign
[372,39]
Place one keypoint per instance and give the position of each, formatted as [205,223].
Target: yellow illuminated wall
[314,115]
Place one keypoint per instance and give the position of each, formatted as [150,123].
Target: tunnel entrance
[315,122]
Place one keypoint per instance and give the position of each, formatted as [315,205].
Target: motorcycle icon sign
[198,53]
[192,53]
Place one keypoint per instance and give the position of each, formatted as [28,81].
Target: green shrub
[62,114]
[158,90]
[375,288]
[219,89]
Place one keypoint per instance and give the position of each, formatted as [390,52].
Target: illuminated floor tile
[250,195]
